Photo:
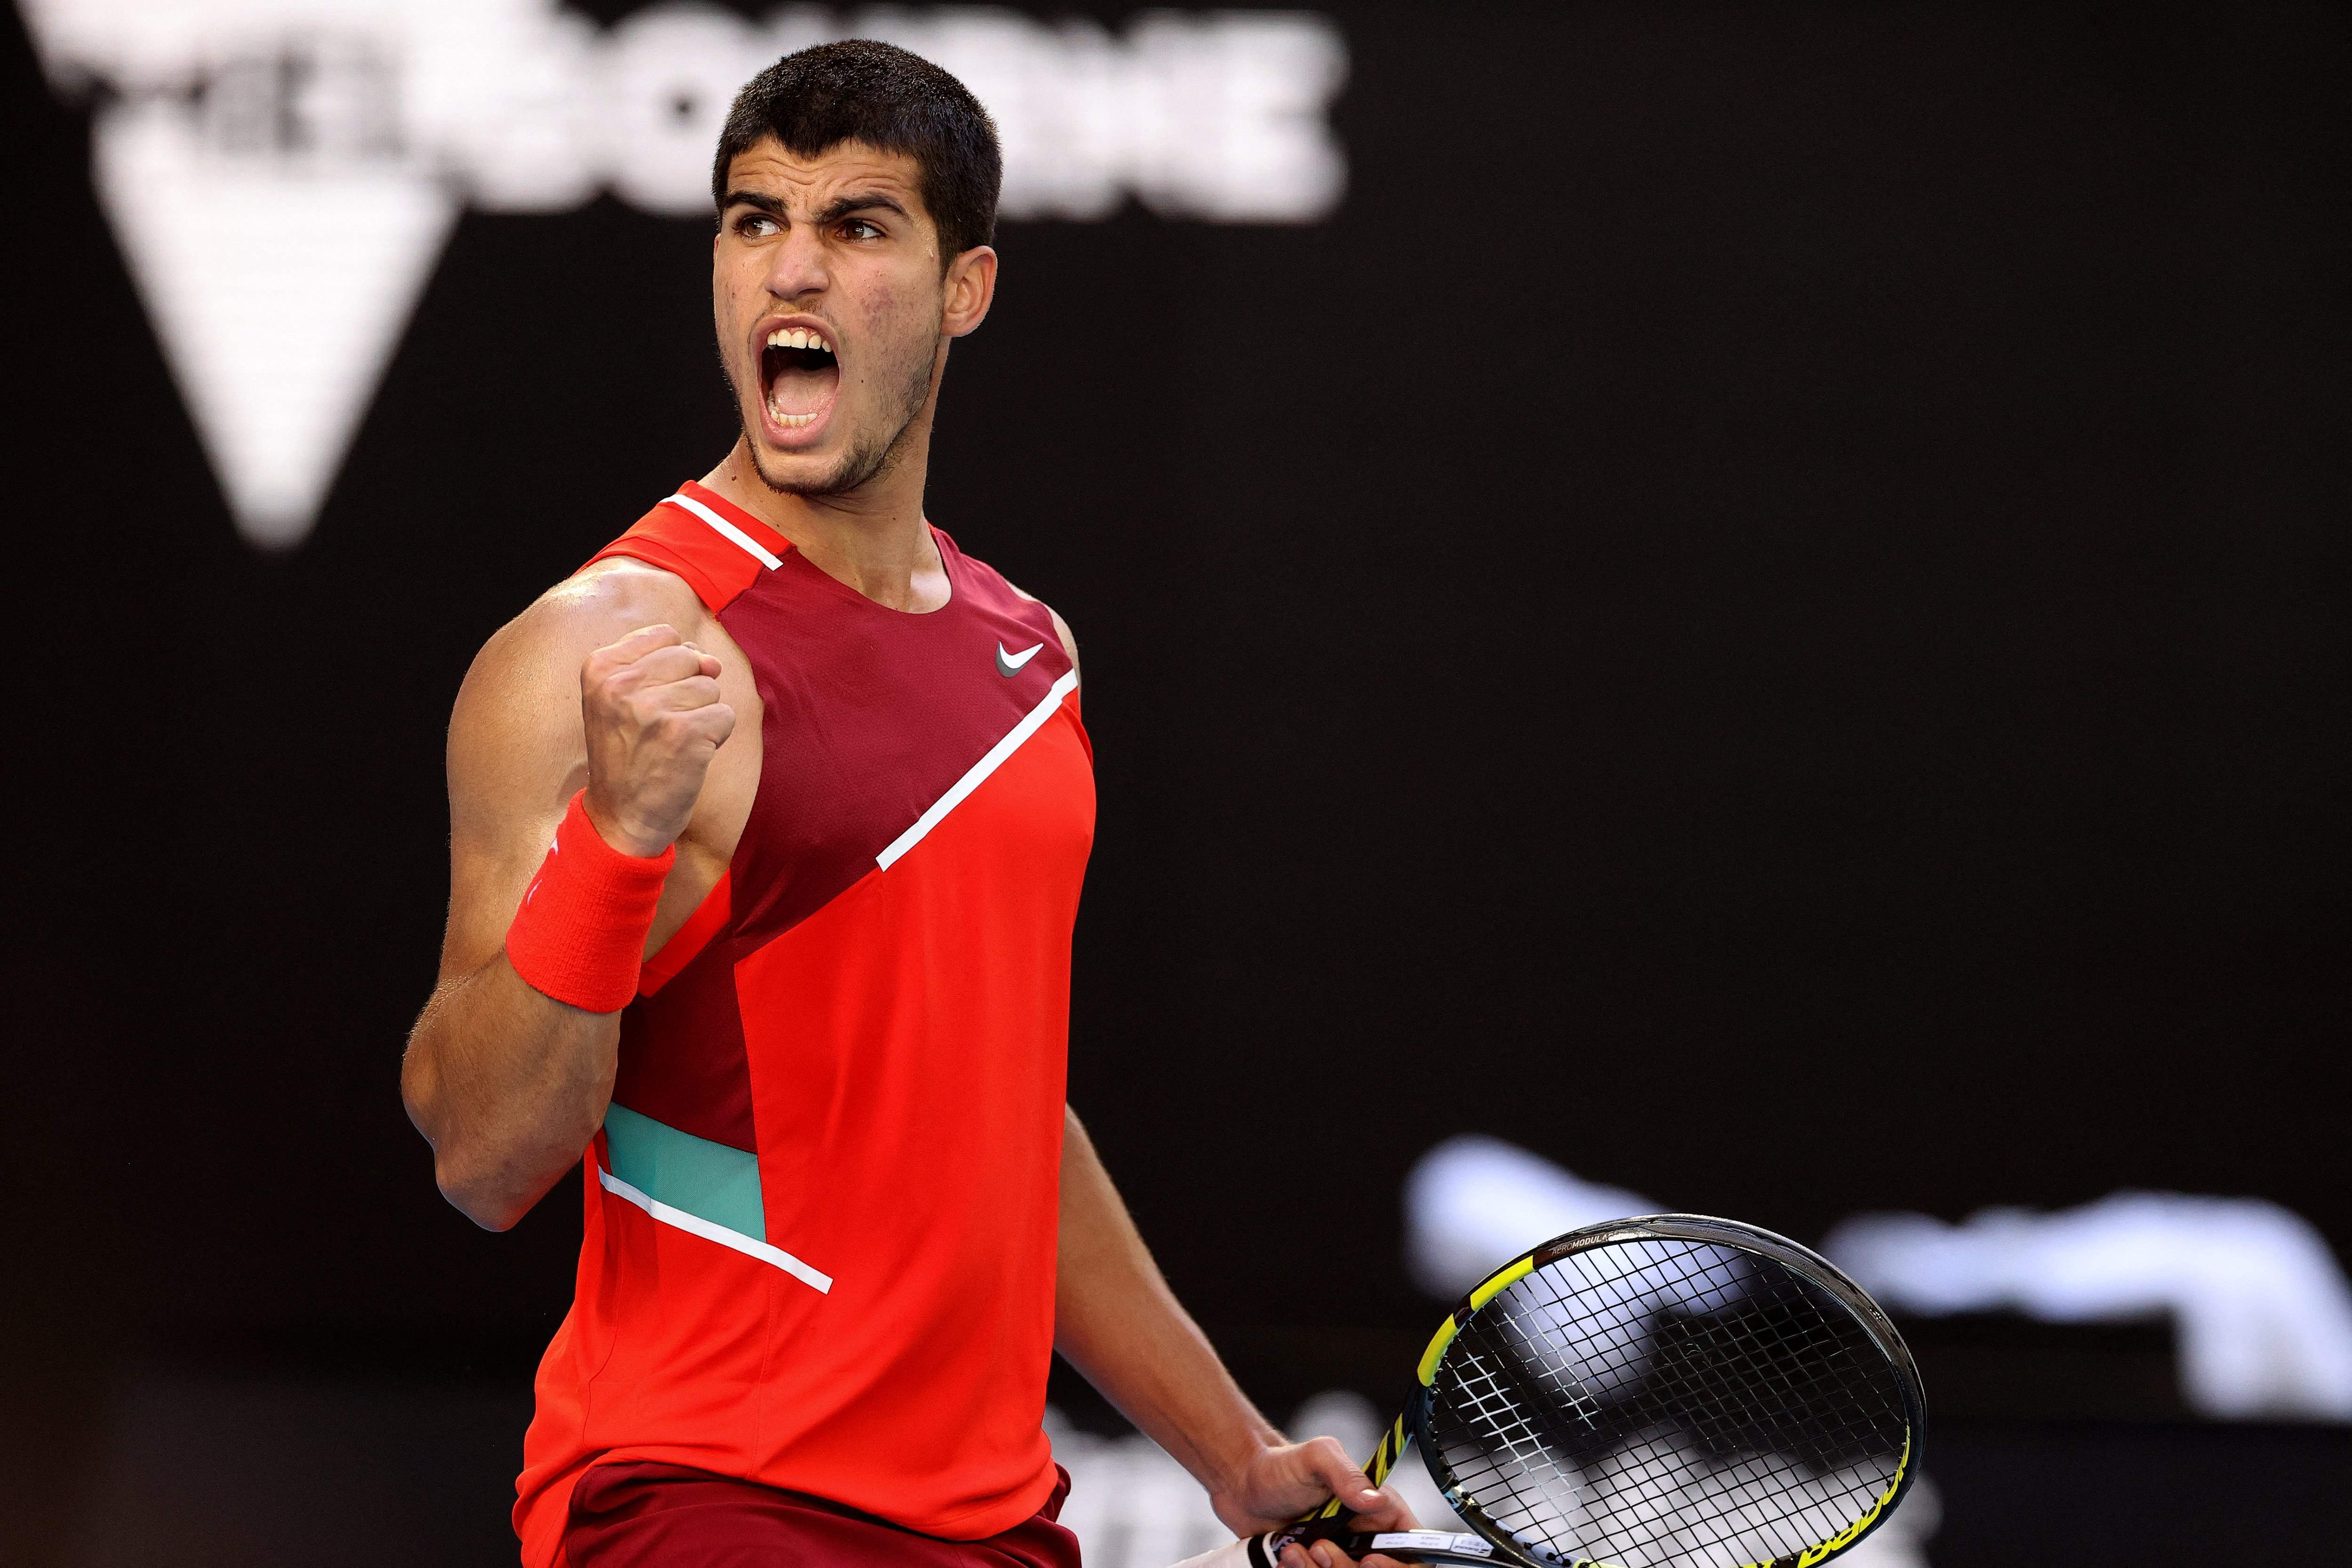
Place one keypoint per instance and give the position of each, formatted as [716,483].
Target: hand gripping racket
[1674,1392]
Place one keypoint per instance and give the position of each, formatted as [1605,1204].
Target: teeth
[797,338]
[791,421]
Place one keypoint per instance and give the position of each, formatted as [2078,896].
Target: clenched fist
[650,703]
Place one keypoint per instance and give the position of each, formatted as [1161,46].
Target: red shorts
[665,1516]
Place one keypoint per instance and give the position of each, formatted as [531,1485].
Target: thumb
[1345,1478]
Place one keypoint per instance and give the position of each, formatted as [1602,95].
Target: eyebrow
[839,208]
[858,201]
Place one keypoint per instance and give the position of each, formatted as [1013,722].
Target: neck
[872,538]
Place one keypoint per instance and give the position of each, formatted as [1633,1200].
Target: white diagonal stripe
[822,1283]
[1030,722]
[727,527]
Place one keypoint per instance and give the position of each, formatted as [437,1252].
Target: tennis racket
[1671,1392]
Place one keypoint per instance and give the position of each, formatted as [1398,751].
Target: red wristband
[580,936]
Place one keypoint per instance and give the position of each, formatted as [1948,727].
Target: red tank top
[821,1211]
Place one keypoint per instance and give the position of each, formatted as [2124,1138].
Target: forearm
[508,1085]
[1117,1321]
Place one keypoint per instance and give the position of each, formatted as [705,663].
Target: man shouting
[767,832]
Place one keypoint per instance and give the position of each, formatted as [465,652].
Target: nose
[797,267]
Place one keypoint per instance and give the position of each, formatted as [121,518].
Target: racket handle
[1328,1522]
[1428,1545]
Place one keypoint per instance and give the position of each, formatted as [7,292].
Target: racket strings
[1657,1465]
[1523,1461]
[1662,1402]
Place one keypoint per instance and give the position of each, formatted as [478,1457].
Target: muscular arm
[507,1084]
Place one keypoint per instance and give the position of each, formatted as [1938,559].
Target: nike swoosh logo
[1008,665]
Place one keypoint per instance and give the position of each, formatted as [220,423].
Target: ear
[970,290]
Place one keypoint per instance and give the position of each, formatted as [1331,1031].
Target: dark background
[1756,613]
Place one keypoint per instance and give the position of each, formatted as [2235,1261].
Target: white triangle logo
[282,174]
[279,294]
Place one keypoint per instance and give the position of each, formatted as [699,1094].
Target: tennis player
[767,828]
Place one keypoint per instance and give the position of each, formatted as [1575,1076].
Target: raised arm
[601,687]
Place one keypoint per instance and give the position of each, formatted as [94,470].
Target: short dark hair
[862,90]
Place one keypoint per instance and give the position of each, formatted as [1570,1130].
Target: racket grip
[1428,1545]
[1328,1522]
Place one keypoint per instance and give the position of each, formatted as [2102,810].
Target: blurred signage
[2261,1309]
[282,174]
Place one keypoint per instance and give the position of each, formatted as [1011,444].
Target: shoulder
[1069,639]
[992,576]
[1061,627]
[538,654]
[607,599]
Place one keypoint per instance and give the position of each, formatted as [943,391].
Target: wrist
[617,833]
[1232,1468]
[579,936]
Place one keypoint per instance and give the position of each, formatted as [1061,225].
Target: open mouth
[799,375]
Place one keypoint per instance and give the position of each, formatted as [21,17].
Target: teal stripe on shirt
[709,1181]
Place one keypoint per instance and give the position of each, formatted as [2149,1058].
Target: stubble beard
[864,461]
